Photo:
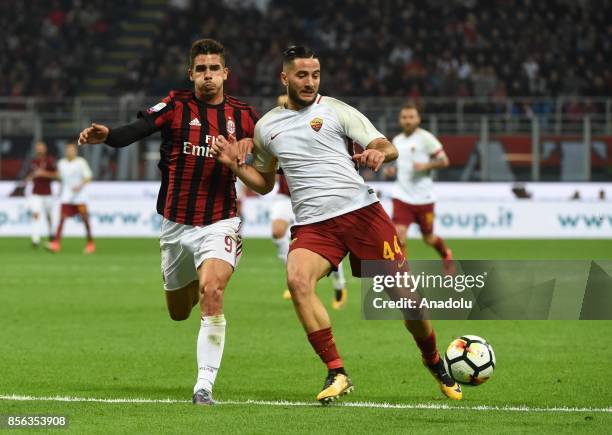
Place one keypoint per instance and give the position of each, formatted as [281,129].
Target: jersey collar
[204,103]
[306,108]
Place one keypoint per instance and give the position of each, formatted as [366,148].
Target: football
[470,360]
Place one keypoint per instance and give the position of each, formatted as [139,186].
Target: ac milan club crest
[231,126]
[316,124]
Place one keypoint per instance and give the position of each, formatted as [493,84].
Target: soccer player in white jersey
[282,218]
[336,212]
[74,173]
[413,197]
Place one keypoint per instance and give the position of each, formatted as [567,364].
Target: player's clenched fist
[245,147]
[371,158]
[95,134]
[226,151]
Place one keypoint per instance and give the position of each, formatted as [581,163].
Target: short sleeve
[432,144]
[86,169]
[354,123]
[159,114]
[263,160]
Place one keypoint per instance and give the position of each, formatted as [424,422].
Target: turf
[96,327]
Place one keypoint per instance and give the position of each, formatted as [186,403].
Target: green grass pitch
[96,327]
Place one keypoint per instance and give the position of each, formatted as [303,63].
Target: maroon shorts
[366,233]
[69,210]
[406,214]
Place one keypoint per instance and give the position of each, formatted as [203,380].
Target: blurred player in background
[413,197]
[282,218]
[74,173]
[42,171]
[200,235]
[336,212]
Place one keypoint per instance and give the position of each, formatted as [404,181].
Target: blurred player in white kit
[413,197]
[74,173]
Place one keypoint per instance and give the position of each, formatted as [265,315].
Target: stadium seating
[48,48]
[402,48]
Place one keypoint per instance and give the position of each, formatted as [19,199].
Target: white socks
[36,223]
[338,278]
[209,350]
[282,247]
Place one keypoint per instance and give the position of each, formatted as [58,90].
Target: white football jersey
[312,147]
[72,173]
[415,187]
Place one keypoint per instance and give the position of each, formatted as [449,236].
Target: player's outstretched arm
[118,137]
[94,134]
[385,146]
[229,152]
[378,151]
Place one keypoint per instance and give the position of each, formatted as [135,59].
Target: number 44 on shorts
[388,253]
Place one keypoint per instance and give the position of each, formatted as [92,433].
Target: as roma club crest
[316,124]
[231,126]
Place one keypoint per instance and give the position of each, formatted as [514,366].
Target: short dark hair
[206,46]
[298,52]
[410,105]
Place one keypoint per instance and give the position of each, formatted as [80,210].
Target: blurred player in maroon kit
[41,172]
[200,235]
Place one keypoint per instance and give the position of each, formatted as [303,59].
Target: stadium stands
[476,68]
[401,48]
[47,48]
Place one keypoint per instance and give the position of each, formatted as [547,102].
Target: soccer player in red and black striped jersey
[42,171]
[200,240]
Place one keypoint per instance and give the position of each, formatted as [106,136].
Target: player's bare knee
[299,284]
[279,228]
[212,289]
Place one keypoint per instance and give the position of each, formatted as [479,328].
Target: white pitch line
[378,405]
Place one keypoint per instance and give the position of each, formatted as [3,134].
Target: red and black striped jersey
[42,185]
[195,188]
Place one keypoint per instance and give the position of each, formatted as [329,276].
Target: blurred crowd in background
[48,47]
[412,49]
